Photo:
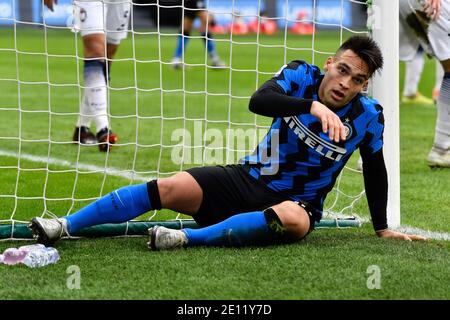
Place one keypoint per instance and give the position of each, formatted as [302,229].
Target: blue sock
[181,45]
[210,46]
[118,206]
[245,229]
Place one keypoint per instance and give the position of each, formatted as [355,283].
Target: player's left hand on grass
[399,235]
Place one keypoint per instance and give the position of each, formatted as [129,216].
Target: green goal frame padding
[139,228]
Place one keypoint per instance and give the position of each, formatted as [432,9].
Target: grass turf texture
[331,264]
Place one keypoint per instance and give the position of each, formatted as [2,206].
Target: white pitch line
[425,233]
[79,166]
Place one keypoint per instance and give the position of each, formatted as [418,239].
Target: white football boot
[439,158]
[48,231]
[177,63]
[217,63]
[162,238]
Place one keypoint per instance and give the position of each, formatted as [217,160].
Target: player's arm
[274,100]
[271,100]
[376,185]
[276,97]
[49,4]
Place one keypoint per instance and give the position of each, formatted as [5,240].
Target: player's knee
[111,49]
[93,48]
[93,53]
[294,219]
[181,193]
[186,33]
[165,189]
[169,189]
[207,35]
[446,65]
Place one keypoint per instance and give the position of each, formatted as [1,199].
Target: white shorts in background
[106,17]
[415,30]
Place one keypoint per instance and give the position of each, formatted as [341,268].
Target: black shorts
[230,190]
[193,7]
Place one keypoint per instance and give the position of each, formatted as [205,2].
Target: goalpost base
[18,231]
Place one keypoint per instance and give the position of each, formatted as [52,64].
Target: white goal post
[386,90]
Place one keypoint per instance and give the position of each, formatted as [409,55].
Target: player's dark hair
[367,49]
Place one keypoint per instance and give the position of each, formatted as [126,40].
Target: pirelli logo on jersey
[315,142]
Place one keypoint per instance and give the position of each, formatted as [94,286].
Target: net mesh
[168,117]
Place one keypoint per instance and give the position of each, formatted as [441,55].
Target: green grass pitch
[40,96]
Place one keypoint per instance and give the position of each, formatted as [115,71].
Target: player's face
[346,75]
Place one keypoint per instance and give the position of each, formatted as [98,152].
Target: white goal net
[167,119]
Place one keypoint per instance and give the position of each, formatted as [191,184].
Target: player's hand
[432,9]
[329,120]
[49,4]
[399,235]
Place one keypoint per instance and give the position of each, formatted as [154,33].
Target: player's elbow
[252,105]
[255,103]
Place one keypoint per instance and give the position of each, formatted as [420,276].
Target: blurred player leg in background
[193,10]
[439,155]
[427,24]
[413,72]
[100,46]
[438,82]
[207,20]
[438,34]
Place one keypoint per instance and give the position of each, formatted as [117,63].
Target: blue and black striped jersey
[296,158]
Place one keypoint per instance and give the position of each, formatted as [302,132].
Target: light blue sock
[181,45]
[118,206]
[245,229]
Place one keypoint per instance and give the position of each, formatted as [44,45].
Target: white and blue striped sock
[96,92]
[442,137]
